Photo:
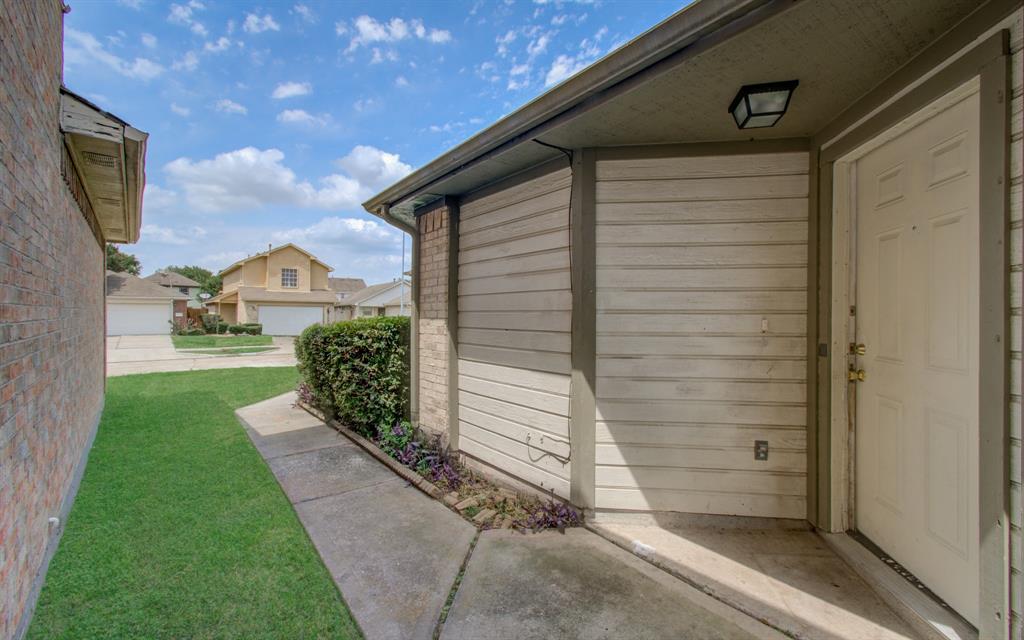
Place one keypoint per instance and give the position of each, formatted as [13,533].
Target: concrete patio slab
[326,472]
[394,552]
[788,577]
[578,585]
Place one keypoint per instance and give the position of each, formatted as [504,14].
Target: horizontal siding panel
[660,367]
[528,378]
[709,278]
[523,470]
[528,452]
[731,346]
[518,228]
[482,202]
[794,324]
[543,204]
[701,389]
[546,261]
[719,481]
[625,433]
[523,340]
[516,283]
[701,412]
[767,506]
[693,457]
[703,256]
[702,211]
[718,233]
[754,164]
[532,418]
[535,301]
[520,247]
[787,186]
[531,398]
[539,320]
[514,431]
[750,301]
[534,360]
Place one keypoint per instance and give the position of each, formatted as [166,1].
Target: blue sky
[270,122]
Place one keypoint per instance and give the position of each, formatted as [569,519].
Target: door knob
[856,375]
[857,349]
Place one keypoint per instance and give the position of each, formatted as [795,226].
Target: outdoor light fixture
[761,105]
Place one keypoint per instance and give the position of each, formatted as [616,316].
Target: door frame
[913,89]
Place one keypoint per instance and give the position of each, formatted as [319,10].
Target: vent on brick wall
[100,159]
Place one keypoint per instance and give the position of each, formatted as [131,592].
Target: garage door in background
[288,321]
[138,319]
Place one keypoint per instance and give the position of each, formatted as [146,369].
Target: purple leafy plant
[553,515]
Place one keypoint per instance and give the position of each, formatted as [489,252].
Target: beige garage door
[514,316]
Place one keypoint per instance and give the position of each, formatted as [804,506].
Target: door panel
[917,295]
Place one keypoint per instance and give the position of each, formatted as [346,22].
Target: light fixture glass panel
[757,122]
[768,102]
[740,113]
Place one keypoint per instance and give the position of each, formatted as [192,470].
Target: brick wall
[432,227]
[51,309]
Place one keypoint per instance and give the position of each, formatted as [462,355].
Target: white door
[288,321]
[917,282]
[138,319]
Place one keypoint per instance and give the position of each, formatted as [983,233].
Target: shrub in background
[235,329]
[358,370]
[253,328]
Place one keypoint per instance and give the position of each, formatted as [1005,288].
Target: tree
[208,282]
[122,262]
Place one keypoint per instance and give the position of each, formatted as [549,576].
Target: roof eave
[673,34]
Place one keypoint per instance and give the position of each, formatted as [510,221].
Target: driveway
[151,354]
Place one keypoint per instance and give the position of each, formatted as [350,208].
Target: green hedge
[358,370]
[251,328]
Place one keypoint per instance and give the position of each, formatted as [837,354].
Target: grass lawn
[205,342]
[180,530]
[233,351]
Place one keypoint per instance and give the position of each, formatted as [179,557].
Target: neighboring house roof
[674,84]
[109,156]
[125,285]
[398,301]
[346,285]
[171,279]
[259,294]
[369,292]
[263,254]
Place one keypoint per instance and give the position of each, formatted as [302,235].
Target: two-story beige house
[284,288]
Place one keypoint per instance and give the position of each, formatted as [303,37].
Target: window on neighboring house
[289,278]
[366,311]
[183,290]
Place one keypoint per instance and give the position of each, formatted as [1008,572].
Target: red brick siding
[51,306]
[433,320]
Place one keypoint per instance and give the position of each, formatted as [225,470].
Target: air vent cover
[100,159]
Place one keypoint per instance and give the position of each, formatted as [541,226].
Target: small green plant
[236,329]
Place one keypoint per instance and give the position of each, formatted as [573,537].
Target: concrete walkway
[151,354]
[395,554]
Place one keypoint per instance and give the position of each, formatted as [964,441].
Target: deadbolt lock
[856,375]
[857,349]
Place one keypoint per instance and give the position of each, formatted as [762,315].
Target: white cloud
[291,90]
[538,45]
[221,44]
[81,48]
[188,62]
[369,31]
[230,106]
[340,28]
[364,104]
[504,41]
[563,67]
[305,13]
[158,201]
[380,56]
[149,40]
[355,235]
[256,24]
[165,235]
[400,81]
[302,117]
[252,178]
[183,14]
[181,111]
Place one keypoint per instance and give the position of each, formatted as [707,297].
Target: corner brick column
[432,226]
